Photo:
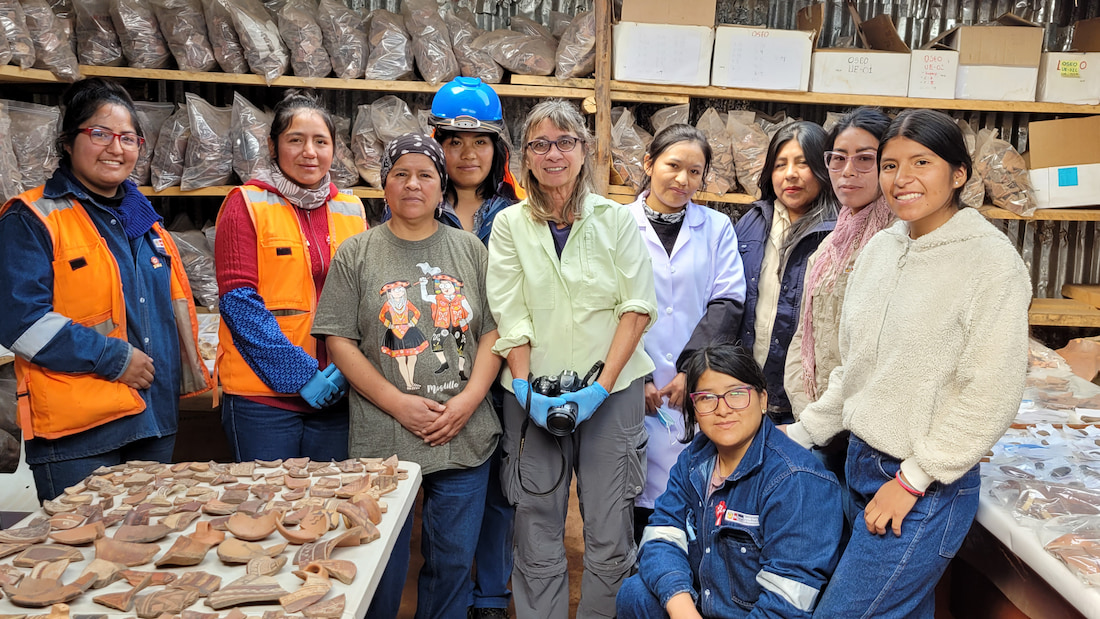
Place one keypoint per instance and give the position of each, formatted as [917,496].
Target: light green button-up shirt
[568,309]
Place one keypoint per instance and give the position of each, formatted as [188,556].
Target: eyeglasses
[565,144]
[736,399]
[862,162]
[102,137]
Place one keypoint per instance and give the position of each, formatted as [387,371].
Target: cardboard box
[1012,42]
[933,73]
[860,72]
[692,13]
[1069,77]
[661,53]
[764,58]
[1065,161]
[996,83]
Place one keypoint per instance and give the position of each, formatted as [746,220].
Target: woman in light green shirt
[571,287]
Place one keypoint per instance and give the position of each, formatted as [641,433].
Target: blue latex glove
[540,404]
[337,378]
[587,400]
[319,392]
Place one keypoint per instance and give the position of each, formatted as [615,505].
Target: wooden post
[603,94]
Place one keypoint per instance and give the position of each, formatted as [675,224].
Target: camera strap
[523,439]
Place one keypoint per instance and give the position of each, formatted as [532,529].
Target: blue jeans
[51,478]
[453,504]
[886,576]
[261,432]
[635,601]
[494,544]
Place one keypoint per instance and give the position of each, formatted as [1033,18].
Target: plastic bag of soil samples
[628,146]
[52,44]
[559,23]
[671,115]
[518,52]
[472,62]
[431,41]
[5,49]
[139,32]
[1004,174]
[259,35]
[391,53]
[343,172]
[722,176]
[250,130]
[391,117]
[184,28]
[973,193]
[96,41]
[34,140]
[344,38]
[168,158]
[223,36]
[577,49]
[300,31]
[750,147]
[209,159]
[14,22]
[198,263]
[152,117]
[530,27]
[10,176]
[366,148]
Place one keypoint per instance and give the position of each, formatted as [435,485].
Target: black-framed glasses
[103,137]
[706,402]
[565,144]
[861,162]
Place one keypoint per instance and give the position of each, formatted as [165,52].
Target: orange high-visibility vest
[284,276]
[56,404]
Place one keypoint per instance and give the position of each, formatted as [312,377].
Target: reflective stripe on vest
[284,277]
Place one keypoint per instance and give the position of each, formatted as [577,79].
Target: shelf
[1088,294]
[820,98]
[222,190]
[1062,313]
[634,95]
[625,195]
[1045,214]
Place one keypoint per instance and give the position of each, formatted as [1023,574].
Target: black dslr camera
[562,420]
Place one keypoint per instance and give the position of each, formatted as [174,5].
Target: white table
[370,559]
[1025,544]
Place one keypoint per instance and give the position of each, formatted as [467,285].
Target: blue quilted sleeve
[284,367]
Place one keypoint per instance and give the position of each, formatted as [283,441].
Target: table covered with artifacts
[203,540]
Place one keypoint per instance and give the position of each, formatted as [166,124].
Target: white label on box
[761,58]
[662,54]
[1066,186]
[1066,77]
[858,72]
[995,83]
[932,74]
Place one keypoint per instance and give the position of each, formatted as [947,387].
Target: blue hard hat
[467,104]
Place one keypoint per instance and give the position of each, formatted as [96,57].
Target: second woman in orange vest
[275,239]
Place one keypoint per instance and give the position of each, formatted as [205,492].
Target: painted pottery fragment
[129,554]
[34,533]
[159,578]
[249,589]
[40,593]
[194,614]
[122,601]
[314,588]
[269,464]
[203,582]
[252,528]
[218,508]
[57,611]
[53,507]
[294,483]
[179,521]
[10,575]
[242,469]
[205,533]
[166,601]
[184,552]
[66,521]
[105,572]
[10,549]
[50,570]
[341,570]
[79,536]
[326,609]
[39,554]
[234,550]
[142,533]
[265,566]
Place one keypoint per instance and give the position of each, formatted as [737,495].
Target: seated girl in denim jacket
[750,524]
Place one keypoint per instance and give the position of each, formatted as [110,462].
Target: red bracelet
[910,489]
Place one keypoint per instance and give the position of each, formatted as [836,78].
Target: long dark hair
[729,359]
[812,139]
[936,131]
[82,100]
[871,119]
[670,136]
[294,101]
[488,187]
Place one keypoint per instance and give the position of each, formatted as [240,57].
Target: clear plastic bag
[10,176]
[343,172]
[209,159]
[250,131]
[152,117]
[208,334]
[344,38]
[366,148]
[749,144]
[1004,175]
[96,40]
[577,49]
[391,53]
[198,263]
[518,52]
[558,23]
[530,27]
[391,117]
[628,146]
[298,25]
[671,115]
[1075,540]
[973,193]
[14,22]
[52,41]
[139,32]
[723,172]
[472,62]
[184,28]
[223,36]
[259,35]
[5,48]
[34,140]
[431,41]
[168,158]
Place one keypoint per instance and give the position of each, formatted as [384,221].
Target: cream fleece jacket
[933,346]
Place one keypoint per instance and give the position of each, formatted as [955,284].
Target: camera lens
[562,420]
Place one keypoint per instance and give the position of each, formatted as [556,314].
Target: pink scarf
[852,232]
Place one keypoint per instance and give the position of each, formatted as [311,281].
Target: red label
[719,512]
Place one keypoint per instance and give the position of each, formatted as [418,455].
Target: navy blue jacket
[752,237]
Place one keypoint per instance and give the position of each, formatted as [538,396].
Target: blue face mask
[668,420]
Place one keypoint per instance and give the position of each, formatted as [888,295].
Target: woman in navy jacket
[776,237]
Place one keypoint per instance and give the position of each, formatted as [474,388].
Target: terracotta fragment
[57,611]
[10,575]
[326,609]
[273,614]
[219,523]
[353,514]
[322,549]
[385,483]
[50,570]
[249,589]
[122,601]
[34,533]
[179,521]
[206,477]
[312,526]
[105,572]
[136,517]
[252,528]
[269,464]
[294,483]
[179,467]
[77,499]
[40,554]
[315,587]
[199,467]
[54,507]
[203,582]
[167,601]
[297,473]
[348,490]
[242,469]
[138,480]
[370,504]
[184,552]
[253,507]
[222,479]
[327,482]
[194,614]
[325,471]
[159,578]
[205,533]
[235,613]
[234,550]
[126,553]
[142,533]
[40,593]
[234,497]
[79,536]
[66,521]
[351,465]
[265,566]
[296,463]
[188,506]
[218,508]
[324,493]
[294,495]
[10,549]
[341,570]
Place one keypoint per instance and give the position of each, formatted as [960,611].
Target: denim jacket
[762,545]
[144,269]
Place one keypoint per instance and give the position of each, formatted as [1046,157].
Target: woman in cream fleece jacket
[933,343]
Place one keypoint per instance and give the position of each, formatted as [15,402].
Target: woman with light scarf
[852,159]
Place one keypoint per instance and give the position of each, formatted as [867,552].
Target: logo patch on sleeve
[748,520]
